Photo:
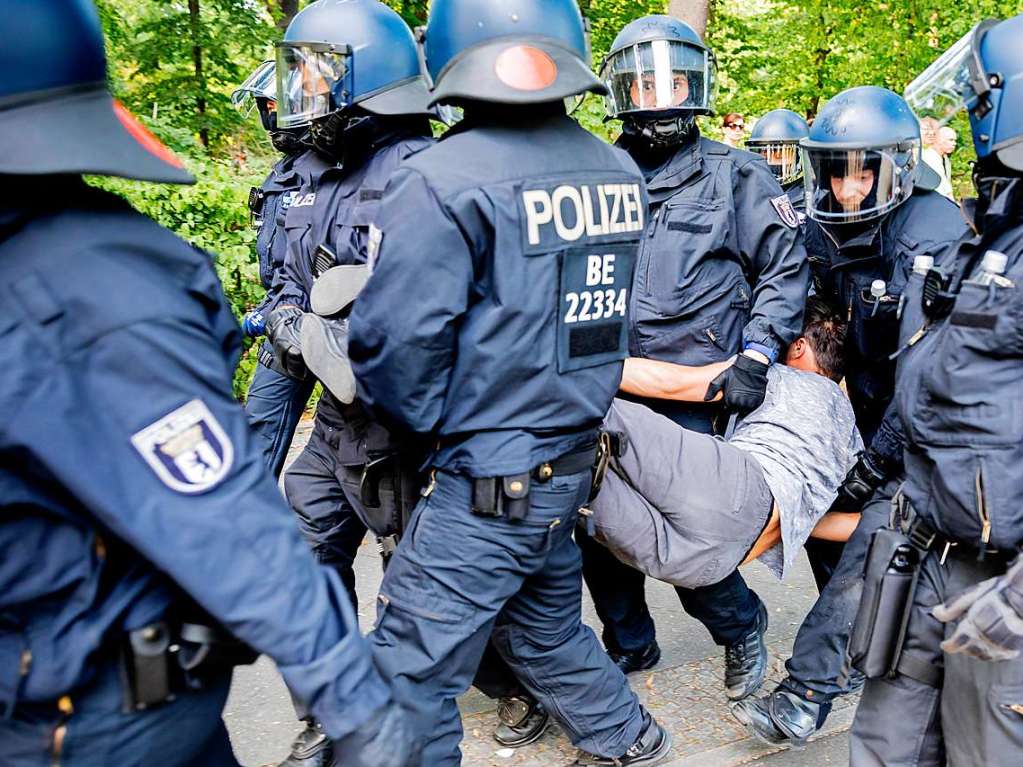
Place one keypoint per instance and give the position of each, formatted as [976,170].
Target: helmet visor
[313,80]
[659,76]
[783,158]
[848,185]
[262,83]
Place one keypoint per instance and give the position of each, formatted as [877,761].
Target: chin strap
[672,131]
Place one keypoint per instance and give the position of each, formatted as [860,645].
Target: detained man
[688,508]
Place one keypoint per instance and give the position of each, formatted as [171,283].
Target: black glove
[284,329]
[866,476]
[384,741]
[744,385]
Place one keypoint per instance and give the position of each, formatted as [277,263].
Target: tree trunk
[288,11]
[195,22]
[695,13]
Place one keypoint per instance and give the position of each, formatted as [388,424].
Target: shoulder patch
[783,206]
[187,449]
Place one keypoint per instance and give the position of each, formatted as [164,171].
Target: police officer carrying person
[953,693]
[776,138]
[495,325]
[143,539]
[276,399]
[874,217]
[349,73]
[721,271]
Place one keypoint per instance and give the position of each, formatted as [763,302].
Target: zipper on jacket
[983,513]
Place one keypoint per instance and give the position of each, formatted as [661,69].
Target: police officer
[873,217]
[275,400]
[721,272]
[956,696]
[141,531]
[776,138]
[495,324]
[349,73]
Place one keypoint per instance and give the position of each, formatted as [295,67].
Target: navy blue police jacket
[924,225]
[495,319]
[959,391]
[129,480]
[336,211]
[722,264]
[269,206]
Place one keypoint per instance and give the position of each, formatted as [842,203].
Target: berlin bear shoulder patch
[783,206]
[187,449]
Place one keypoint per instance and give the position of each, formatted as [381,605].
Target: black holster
[501,496]
[162,659]
[890,577]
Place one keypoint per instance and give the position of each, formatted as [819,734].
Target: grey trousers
[975,716]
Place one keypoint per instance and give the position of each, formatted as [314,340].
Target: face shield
[783,158]
[659,76]
[848,185]
[313,80]
[261,84]
[956,80]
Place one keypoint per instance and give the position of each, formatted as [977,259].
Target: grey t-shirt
[805,439]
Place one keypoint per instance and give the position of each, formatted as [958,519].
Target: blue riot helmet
[259,92]
[659,76]
[982,73]
[56,114]
[507,52]
[776,138]
[862,157]
[658,66]
[340,54]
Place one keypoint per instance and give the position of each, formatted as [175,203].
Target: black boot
[311,748]
[782,718]
[746,661]
[638,660]
[523,721]
[651,747]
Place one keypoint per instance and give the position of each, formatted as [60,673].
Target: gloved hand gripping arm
[990,617]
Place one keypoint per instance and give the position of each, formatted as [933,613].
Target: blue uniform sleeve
[770,240]
[889,439]
[293,281]
[140,426]
[404,325]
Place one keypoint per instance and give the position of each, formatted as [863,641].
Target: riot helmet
[982,73]
[508,52]
[259,92]
[659,76]
[347,57]
[56,113]
[862,157]
[776,138]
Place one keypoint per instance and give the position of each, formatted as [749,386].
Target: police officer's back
[495,322]
[141,530]
[959,398]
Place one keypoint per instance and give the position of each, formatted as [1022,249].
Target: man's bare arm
[836,526]
[665,380]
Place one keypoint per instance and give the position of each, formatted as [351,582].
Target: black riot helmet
[56,114]
[659,76]
[776,138]
[259,92]
[862,157]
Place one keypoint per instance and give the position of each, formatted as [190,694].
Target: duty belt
[925,537]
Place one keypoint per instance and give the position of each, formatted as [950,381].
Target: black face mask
[347,137]
[660,134]
[288,142]
[991,177]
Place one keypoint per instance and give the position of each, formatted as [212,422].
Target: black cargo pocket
[686,235]
[593,307]
[976,367]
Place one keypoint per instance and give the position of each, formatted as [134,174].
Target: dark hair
[824,329]
[731,117]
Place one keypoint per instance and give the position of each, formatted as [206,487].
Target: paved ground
[684,692]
